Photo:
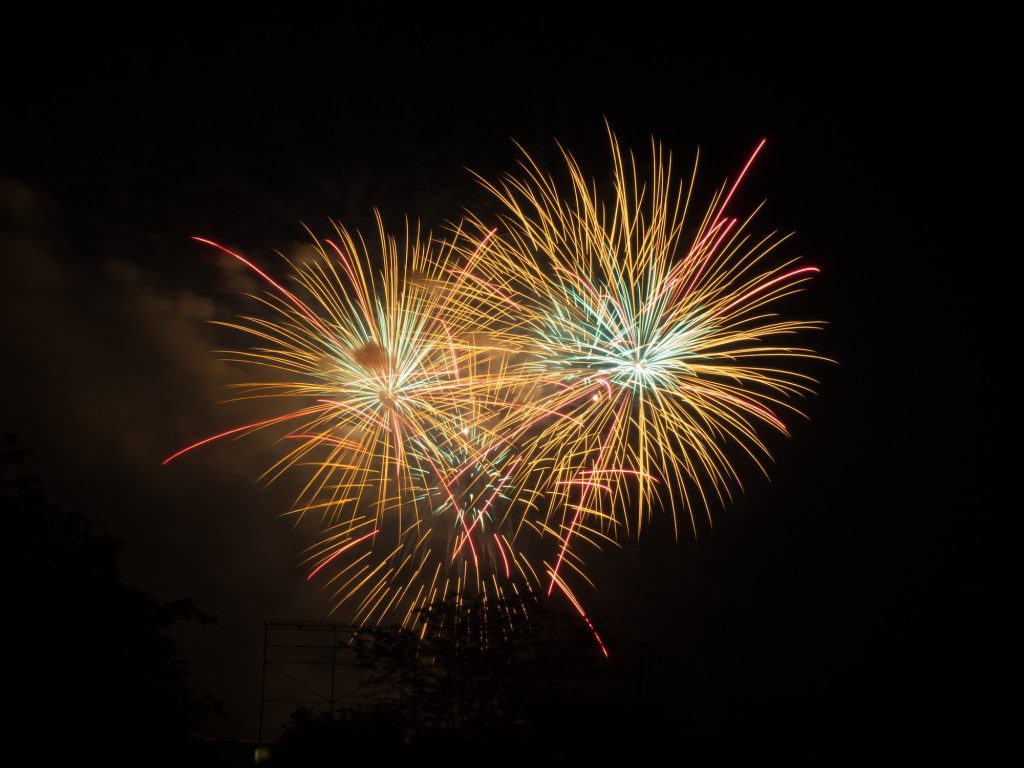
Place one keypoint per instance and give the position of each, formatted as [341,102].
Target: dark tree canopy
[94,672]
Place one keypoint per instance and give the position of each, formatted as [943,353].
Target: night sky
[853,593]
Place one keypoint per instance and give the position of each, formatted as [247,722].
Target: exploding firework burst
[653,347]
[387,407]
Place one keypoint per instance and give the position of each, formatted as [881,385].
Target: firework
[385,401]
[651,346]
[467,412]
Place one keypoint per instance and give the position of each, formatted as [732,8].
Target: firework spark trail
[580,507]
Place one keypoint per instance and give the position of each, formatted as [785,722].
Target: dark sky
[860,573]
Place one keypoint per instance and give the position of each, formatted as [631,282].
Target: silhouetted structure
[300,666]
[467,679]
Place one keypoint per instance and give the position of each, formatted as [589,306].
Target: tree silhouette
[91,672]
[470,677]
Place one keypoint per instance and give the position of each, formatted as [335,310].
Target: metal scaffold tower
[301,664]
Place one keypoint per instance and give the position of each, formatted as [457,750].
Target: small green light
[261,756]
